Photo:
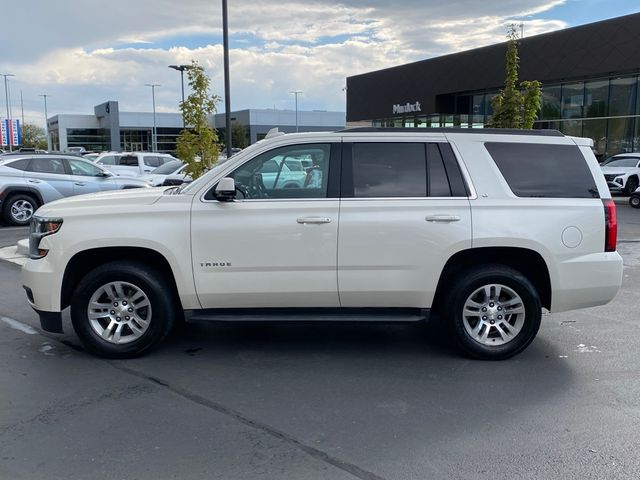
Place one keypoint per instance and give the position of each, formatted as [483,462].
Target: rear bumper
[587,281]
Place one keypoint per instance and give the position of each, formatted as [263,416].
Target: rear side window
[389,170]
[108,160]
[152,161]
[128,161]
[19,164]
[546,171]
[47,165]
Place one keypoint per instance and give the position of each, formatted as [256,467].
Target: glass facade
[92,139]
[606,110]
[141,140]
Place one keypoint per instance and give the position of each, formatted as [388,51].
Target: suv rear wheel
[122,309]
[494,312]
[19,208]
[632,185]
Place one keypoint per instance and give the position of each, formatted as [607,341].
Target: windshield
[168,168]
[621,162]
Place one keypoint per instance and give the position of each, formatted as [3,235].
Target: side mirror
[104,174]
[226,190]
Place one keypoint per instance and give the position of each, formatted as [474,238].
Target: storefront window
[572,100]
[596,98]
[597,131]
[621,135]
[623,96]
[551,96]
[571,127]
[478,106]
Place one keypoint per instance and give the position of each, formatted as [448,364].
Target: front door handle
[442,218]
[31,180]
[313,220]
[80,184]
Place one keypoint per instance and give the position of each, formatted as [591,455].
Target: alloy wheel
[22,210]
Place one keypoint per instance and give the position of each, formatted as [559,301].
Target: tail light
[610,225]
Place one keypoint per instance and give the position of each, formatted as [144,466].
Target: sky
[82,53]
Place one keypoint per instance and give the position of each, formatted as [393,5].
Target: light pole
[6,94]
[46,121]
[296,93]
[227,87]
[154,137]
[181,69]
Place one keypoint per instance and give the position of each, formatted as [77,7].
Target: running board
[356,315]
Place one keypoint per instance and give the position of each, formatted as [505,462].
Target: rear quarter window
[546,171]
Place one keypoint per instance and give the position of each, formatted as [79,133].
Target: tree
[516,106]
[198,146]
[239,135]
[34,136]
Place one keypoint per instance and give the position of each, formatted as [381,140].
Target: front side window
[152,161]
[47,165]
[389,170]
[108,160]
[622,162]
[280,173]
[78,167]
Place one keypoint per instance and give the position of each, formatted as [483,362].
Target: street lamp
[181,69]
[227,87]
[6,94]
[296,93]
[46,120]
[154,137]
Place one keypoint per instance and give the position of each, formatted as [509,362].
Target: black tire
[465,285]
[146,279]
[25,199]
[631,186]
[634,201]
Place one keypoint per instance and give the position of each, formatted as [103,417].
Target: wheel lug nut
[491,304]
[499,309]
[484,317]
[124,302]
[113,312]
[117,319]
[492,322]
[115,304]
[130,309]
[499,317]
[484,309]
[127,317]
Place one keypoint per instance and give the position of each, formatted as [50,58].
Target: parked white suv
[135,163]
[622,172]
[483,227]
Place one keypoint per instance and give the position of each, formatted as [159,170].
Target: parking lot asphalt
[325,401]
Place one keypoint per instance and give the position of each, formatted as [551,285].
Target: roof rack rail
[499,131]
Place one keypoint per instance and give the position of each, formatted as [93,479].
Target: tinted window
[438,182]
[19,164]
[87,169]
[389,170]
[552,171]
[128,161]
[47,165]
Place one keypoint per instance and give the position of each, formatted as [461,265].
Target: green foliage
[34,136]
[198,146]
[516,106]
[239,135]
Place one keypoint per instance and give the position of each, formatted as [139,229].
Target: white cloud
[310,45]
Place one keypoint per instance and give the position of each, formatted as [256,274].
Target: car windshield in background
[621,162]
[168,168]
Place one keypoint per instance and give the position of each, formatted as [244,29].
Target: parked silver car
[28,181]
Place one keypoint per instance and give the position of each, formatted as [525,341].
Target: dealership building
[110,129]
[590,77]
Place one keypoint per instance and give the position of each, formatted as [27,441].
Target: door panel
[390,255]
[52,171]
[257,253]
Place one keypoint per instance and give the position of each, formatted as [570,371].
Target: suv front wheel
[122,309]
[494,312]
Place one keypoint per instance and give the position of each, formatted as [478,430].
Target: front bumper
[43,285]
[50,321]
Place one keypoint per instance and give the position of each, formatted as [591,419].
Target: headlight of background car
[40,228]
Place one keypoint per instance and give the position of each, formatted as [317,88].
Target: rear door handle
[80,184]
[313,220]
[442,218]
[31,180]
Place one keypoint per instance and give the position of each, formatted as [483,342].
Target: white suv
[483,227]
[622,172]
[135,163]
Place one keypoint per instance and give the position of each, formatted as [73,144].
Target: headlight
[40,228]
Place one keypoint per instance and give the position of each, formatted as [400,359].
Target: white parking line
[23,327]
[10,254]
